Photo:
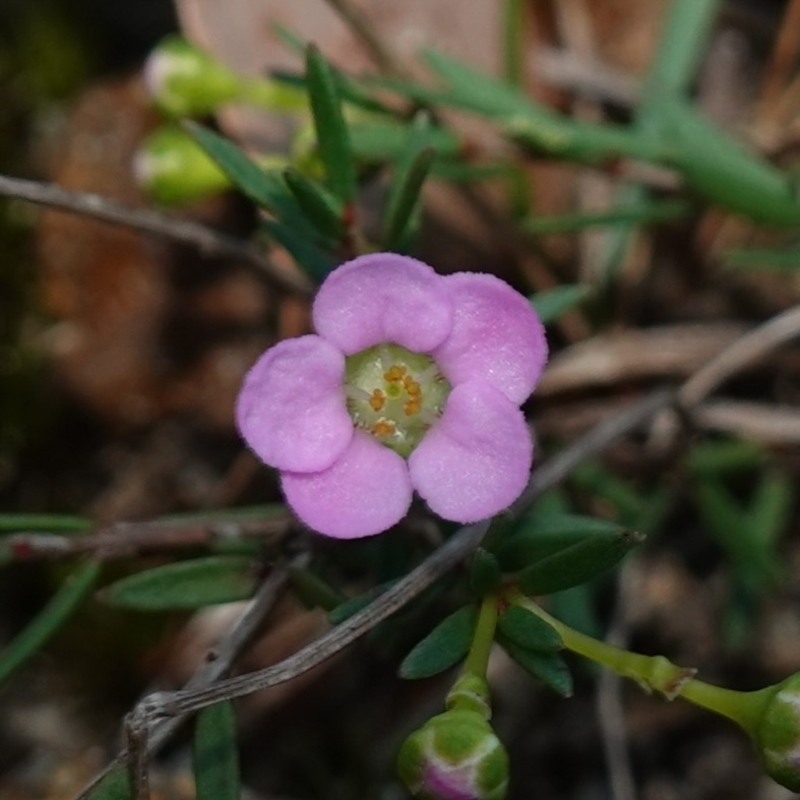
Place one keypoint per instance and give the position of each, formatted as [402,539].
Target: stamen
[394,373]
[382,428]
[377,400]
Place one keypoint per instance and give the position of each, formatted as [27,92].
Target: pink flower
[413,382]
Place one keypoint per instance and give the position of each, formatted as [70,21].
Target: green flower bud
[454,756]
[185,80]
[173,169]
[777,735]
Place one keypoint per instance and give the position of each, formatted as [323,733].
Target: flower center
[394,394]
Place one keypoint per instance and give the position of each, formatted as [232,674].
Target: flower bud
[454,756]
[172,168]
[185,80]
[777,736]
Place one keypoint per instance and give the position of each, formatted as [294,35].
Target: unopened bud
[454,756]
[185,80]
[172,168]
[777,736]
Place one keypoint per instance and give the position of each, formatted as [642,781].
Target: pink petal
[496,337]
[383,297]
[291,410]
[475,460]
[365,492]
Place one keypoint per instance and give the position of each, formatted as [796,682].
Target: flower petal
[365,492]
[291,410]
[383,297]
[496,336]
[476,459]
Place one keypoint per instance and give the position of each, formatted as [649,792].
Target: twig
[126,539]
[206,240]
[218,662]
[751,347]
[157,707]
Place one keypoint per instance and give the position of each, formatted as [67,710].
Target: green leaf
[381,140]
[322,210]
[314,261]
[751,552]
[333,138]
[771,508]
[446,645]
[529,631]
[541,535]
[41,523]
[549,668]
[484,573]
[49,619]
[409,177]
[313,591]
[554,303]
[723,457]
[784,259]
[352,606]
[266,188]
[185,585]
[114,786]
[215,755]
[577,563]
[642,213]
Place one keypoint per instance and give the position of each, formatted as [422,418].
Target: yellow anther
[377,400]
[394,373]
[383,427]
[411,386]
[412,406]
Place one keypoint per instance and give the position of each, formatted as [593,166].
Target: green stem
[658,673]
[478,657]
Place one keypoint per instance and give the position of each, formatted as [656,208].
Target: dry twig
[206,240]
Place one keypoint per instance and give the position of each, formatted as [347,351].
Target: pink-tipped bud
[454,756]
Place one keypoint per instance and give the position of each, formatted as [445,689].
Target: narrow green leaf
[333,138]
[114,786]
[752,553]
[723,457]
[784,259]
[529,631]
[215,755]
[404,196]
[355,604]
[541,535]
[549,668]
[44,523]
[514,41]
[266,188]
[322,210]
[185,585]
[223,515]
[772,505]
[313,591]
[578,563]
[49,619]
[380,140]
[644,213]
[554,303]
[446,645]
[314,261]
[484,573]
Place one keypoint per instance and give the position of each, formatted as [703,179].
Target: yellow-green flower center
[394,394]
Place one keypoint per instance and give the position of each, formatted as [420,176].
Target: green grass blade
[333,138]
[215,755]
[48,621]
